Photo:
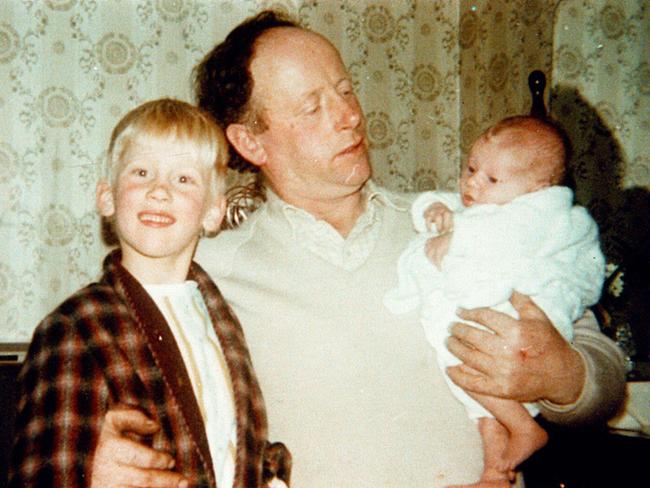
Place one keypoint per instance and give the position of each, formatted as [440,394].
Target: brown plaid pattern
[109,344]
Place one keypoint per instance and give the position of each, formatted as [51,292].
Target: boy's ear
[246,143]
[104,199]
[214,216]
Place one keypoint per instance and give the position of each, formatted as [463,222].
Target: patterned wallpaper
[430,75]
[601,94]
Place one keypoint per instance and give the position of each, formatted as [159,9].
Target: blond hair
[541,142]
[168,118]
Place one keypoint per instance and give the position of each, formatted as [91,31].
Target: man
[352,390]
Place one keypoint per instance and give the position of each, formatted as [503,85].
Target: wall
[430,74]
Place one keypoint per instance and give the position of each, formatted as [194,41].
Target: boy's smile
[156,219]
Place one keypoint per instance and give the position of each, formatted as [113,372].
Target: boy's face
[161,201]
[497,174]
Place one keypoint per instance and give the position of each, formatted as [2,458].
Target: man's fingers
[478,339]
[122,420]
[526,308]
[151,478]
[468,379]
[131,453]
[468,355]
[496,321]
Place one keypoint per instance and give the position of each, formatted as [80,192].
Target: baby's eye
[470,170]
[492,179]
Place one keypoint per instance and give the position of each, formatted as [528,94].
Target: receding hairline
[256,118]
[274,33]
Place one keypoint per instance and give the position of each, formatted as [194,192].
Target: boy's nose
[159,190]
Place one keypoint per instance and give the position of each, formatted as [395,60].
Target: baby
[510,228]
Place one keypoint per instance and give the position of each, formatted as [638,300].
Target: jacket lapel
[249,404]
[168,357]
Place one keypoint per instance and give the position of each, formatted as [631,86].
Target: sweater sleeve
[604,388]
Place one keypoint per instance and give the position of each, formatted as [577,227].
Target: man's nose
[347,113]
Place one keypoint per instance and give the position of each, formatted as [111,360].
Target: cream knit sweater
[354,391]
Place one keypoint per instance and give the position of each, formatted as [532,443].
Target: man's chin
[358,174]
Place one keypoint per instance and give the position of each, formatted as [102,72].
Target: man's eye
[312,109]
[184,179]
[140,172]
[345,88]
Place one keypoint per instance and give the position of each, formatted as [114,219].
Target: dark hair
[222,80]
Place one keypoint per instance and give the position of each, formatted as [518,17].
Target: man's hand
[439,215]
[120,461]
[437,248]
[525,360]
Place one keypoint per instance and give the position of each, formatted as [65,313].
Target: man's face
[315,142]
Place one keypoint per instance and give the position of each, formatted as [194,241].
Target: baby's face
[496,174]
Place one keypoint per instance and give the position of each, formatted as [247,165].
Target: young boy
[154,333]
[511,228]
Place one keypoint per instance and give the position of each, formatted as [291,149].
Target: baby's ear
[214,216]
[104,199]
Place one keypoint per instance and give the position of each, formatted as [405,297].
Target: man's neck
[340,212]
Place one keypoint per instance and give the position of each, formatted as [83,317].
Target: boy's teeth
[156,218]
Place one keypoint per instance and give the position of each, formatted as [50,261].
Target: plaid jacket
[110,344]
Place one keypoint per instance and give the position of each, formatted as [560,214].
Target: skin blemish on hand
[524,352]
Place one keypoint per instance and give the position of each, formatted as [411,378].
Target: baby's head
[518,155]
[165,179]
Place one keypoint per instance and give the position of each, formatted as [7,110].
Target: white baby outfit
[539,244]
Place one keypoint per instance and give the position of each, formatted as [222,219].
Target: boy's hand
[439,215]
[437,248]
[121,461]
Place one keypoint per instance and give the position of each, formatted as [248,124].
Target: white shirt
[184,309]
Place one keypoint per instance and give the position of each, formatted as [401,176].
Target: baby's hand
[438,214]
[437,248]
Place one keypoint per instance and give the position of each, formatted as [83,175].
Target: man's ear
[104,199]
[246,143]
[214,216]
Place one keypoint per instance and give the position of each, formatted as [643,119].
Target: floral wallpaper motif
[601,95]
[430,74]
[501,43]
